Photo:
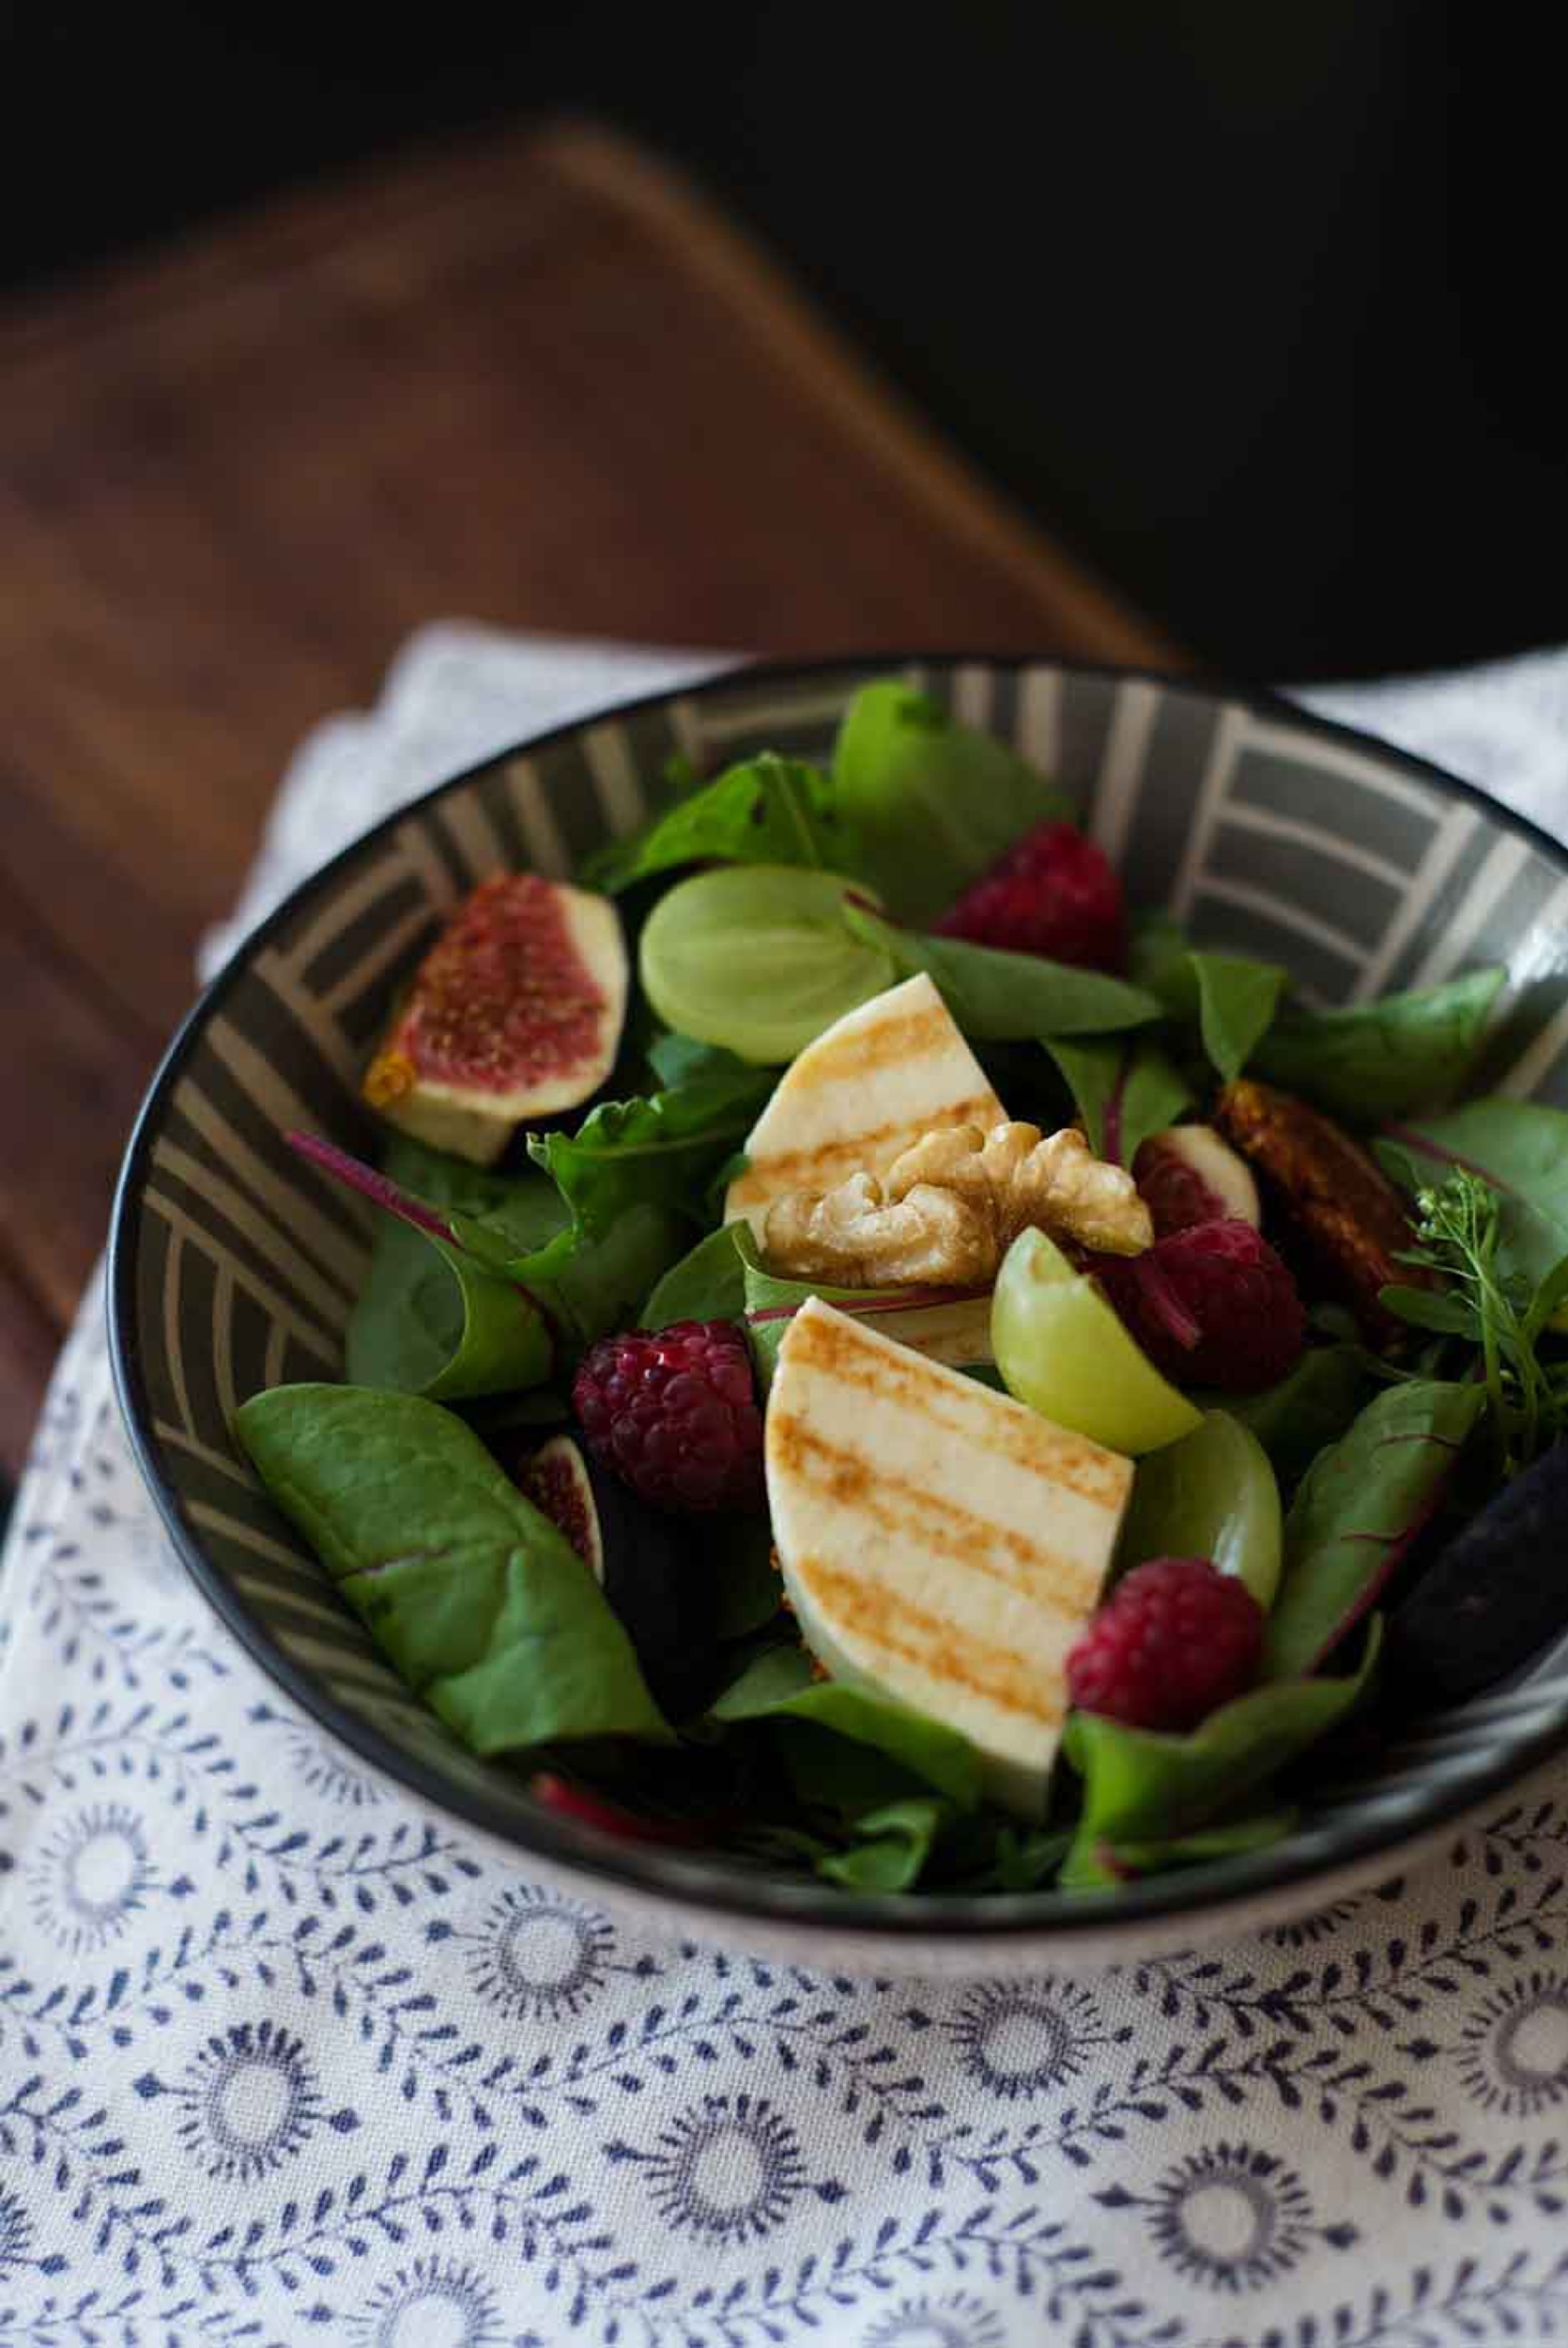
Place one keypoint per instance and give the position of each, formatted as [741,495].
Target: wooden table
[538,381]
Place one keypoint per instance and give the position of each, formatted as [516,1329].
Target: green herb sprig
[1488,1302]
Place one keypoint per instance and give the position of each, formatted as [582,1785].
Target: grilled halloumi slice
[941,1544]
[888,1072]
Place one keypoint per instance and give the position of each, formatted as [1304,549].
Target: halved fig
[514,1013]
[635,1555]
[1189,1174]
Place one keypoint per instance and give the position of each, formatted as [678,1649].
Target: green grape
[1213,1494]
[755,957]
[1061,1347]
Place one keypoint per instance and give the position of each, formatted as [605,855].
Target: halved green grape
[1213,1494]
[1061,1347]
[755,957]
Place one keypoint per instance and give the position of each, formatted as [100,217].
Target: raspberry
[674,1413]
[1173,1642]
[1053,893]
[1211,1305]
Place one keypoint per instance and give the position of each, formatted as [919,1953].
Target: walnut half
[951,1206]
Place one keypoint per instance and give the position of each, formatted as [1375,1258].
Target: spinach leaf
[780,1686]
[477,1599]
[1009,1858]
[1256,1832]
[429,1321]
[895,1842]
[930,803]
[655,1150]
[957,1320]
[1359,1506]
[999,998]
[1124,1092]
[768,811]
[591,1279]
[1311,1407]
[1369,1061]
[708,1284]
[1521,1147]
[1160,959]
[1238,998]
[1142,1786]
[734,1556]
[680,1059]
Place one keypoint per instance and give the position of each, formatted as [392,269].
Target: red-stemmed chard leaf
[1358,1509]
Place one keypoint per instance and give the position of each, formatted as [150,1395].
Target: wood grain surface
[538,381]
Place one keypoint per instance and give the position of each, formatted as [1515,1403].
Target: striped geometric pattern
[235,1265]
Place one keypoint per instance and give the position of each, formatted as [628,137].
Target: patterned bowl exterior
[234,1265]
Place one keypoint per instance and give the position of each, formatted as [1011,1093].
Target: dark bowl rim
[1205,1892]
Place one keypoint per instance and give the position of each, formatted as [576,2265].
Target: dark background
[1255,304]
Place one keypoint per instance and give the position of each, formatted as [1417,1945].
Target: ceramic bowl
[234,1264]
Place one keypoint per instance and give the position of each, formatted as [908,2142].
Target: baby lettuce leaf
[1141,1786]
[1311,1407]
[431,1321]
[769,811]
[1371,1061]
[708,1284]
[591,1279]
[1160,959]
[482,1605]
[780,1687]
[910,1315]
[736,1560]
[893,1845]
[1358,1507]
[932,804]
[999,998]
[656,1149]
[1238,998]
[1256,1832]
[1521,1147]
[1124,1092]
[576,1286]
[680,1059]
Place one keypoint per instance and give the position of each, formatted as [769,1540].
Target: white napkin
[278,2065]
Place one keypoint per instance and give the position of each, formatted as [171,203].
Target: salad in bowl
[886,1361]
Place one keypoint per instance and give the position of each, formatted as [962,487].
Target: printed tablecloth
[278,2064]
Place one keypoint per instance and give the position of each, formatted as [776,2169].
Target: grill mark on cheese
[771,1174]
[874,1365]
[887,1620]
[902,1507]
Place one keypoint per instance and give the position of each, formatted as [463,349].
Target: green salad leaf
[1310,1407]
[1238,999]
[1372,1062]
[768,811]
[780,1686]
[771,1303]
[1358,1507]
[1208,1842]
[892,1847]
[657,1148]
[1124,1092]
[930,803]
[999,998]
[591,1279]
[475,1598]
[1143,1786]
[708,1284]
[430,1320]
[1520,1146]
[1160,959]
